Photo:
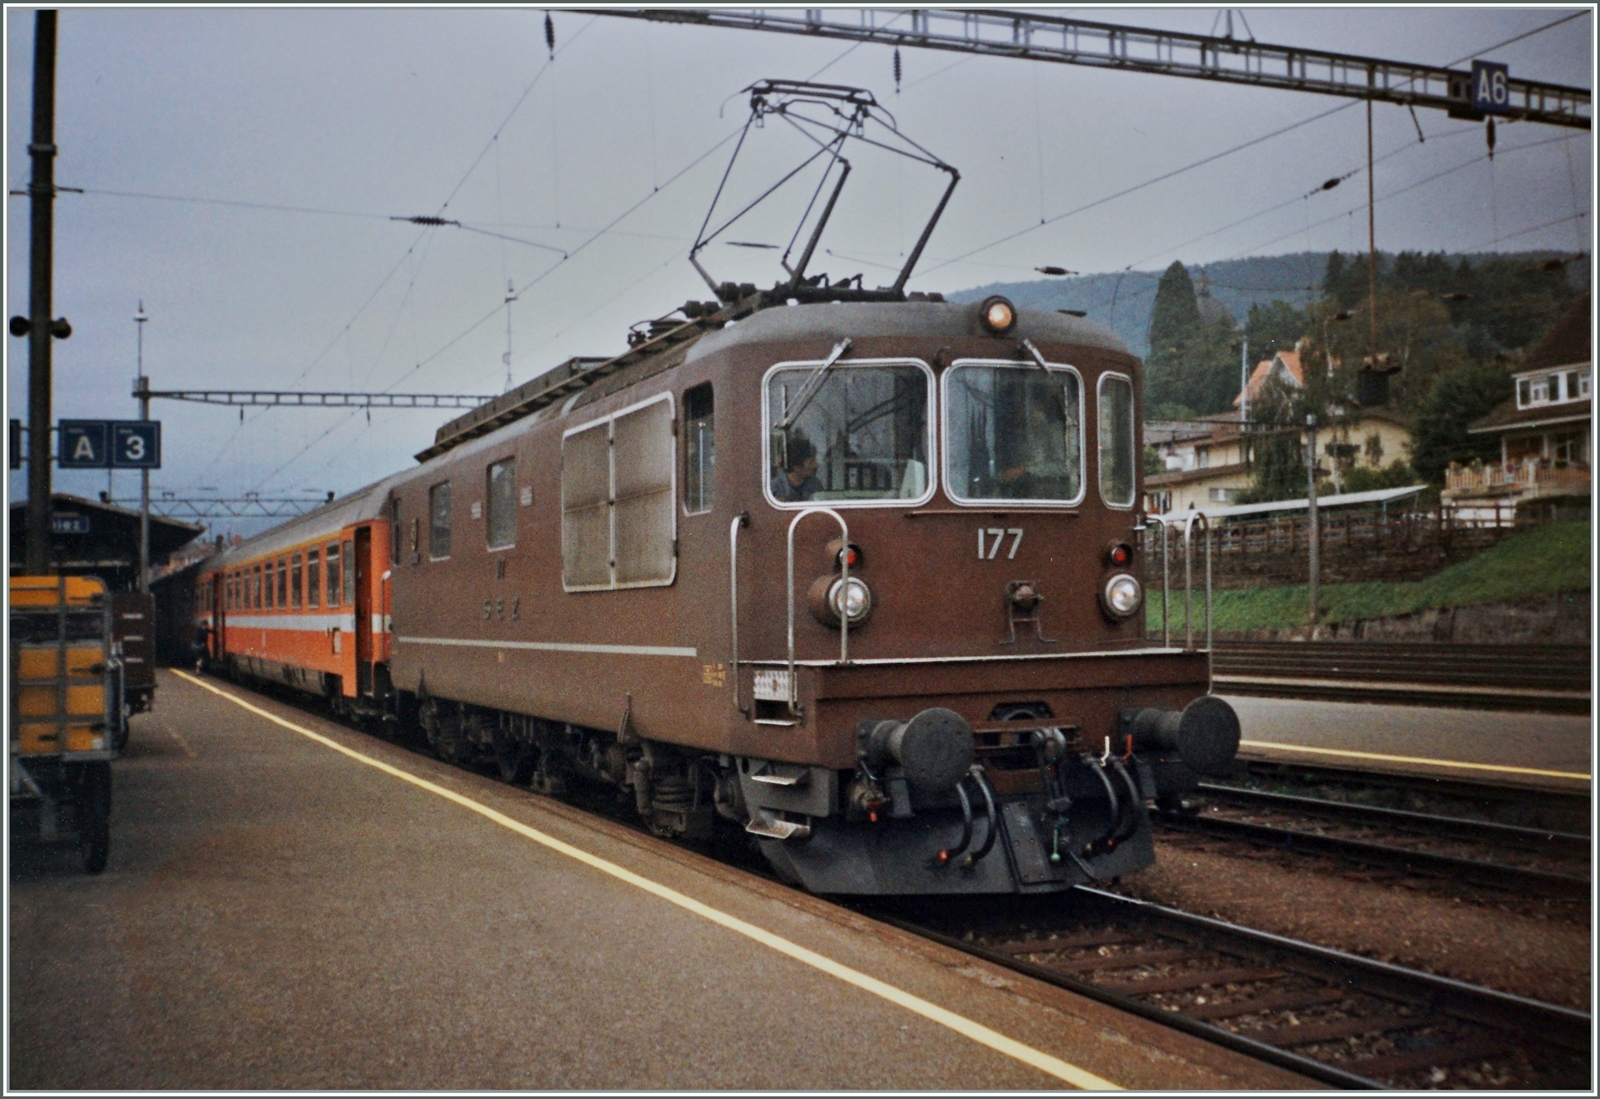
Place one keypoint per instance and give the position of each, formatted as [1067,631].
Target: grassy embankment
[1534,562]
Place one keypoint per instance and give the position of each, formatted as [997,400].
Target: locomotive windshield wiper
[813,384]
[1038,361]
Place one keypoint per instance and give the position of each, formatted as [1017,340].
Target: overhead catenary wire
[1225,153]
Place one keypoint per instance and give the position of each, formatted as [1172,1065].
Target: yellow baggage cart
[67,711]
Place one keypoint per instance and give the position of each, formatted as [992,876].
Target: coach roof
[358,507]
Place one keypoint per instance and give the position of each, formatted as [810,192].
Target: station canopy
[90,538]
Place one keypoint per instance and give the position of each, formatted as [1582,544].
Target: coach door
[363,567]
[219,607]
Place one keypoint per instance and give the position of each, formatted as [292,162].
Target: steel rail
[1476,831]
[1568,802]
[1034,37]
[1496,875]
[1529,1020]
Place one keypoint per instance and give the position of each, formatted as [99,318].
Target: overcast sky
[354,117]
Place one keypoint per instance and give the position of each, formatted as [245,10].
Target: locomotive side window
[586,508]
[349,574]
[332,557]
[618,491]
[1116,433]
[439,520]
[313,577]
[1013,432]
[502,504]
[294,581]
[699,449]
[394,538]
[856,433]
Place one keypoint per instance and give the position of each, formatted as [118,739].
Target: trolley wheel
[94,816]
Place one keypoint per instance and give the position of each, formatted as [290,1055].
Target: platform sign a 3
[81,444]
[1491,87]
[135,444]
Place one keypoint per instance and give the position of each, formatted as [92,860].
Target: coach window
[294,580]
[258,588]
[1116,440]
[699,449]
[853,433]
[349,574]
[313,577]
[618,492]
[502,504]
[1013,431]
[283,581]
[439,521]
[332,556]
[266,586]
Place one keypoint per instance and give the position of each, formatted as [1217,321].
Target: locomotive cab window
[1013,431]
[855,433]
[618,516]
[1117,436]
[439,520]
[699,449]
[501,496]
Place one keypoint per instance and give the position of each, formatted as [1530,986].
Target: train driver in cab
[799,480]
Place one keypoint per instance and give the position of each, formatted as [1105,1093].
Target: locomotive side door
[363,566]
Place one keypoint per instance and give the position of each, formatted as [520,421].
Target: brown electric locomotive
[853,570]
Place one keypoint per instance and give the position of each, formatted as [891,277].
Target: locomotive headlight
[1122,595]
[998,315]
[850,600]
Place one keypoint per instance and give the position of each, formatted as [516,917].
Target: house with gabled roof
[1544,428]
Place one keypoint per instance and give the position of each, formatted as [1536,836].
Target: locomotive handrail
[740,520]
[1188,577]
[1166,598]
[844,619]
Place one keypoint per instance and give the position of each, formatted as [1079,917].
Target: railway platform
[1545,752]
[293,904]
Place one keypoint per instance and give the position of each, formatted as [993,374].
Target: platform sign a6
[1491,87]
[136,444]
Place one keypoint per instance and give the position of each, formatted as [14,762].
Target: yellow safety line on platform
[1349,754]
[979,1033]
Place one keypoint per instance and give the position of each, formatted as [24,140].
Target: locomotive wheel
[94,816]
[515,758]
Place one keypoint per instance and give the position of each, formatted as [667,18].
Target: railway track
[1539,809]
[1334,1017]
[1550,678]
[1531,862]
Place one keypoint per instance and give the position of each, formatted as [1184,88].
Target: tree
[1278,450]
[1175,327]
[1275,326]
[1439,431]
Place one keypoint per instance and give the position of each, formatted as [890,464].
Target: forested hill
[1237,284]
